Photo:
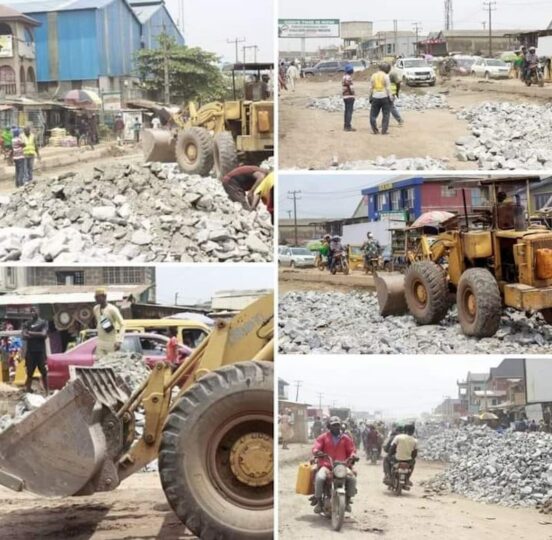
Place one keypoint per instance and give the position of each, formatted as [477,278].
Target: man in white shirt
[404,447]
[292,73]
[109,323]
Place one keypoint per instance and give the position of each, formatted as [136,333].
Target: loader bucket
[158,145]
[390,291]
[63,446]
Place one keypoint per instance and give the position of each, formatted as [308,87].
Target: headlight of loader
[340,471]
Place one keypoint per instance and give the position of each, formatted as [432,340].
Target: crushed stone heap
[125,212]
[317,322]
[509,469]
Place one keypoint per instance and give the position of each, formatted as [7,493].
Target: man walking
[30,151]
[380,98]
[292,73]
[136,128]
[395,81]
[348,97]
[34,333]
[109,324]
[18,158]
[119,128]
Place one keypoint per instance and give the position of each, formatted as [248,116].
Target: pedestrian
[156,123]
[136,127]
[292,74]
[286,428]
[282,76]
[18,158]
[30,152]
[380,98]
[34,333]
[263,191]
[348,97]
[172,346]
[119,128]
[109,324]
[395,80]
[93,129]
[238,182]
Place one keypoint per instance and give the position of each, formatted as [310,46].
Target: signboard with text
[308,28]
[6,46]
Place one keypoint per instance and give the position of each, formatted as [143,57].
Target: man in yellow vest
[395,89]
[380,98]
[30,151]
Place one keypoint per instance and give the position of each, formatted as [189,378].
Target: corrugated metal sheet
[153,23]
[41,6]
[71,298]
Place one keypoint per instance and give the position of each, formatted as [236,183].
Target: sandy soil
[311,139]
[137,509]
[379,514]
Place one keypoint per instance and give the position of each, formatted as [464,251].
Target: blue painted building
[155,19]
[92,43]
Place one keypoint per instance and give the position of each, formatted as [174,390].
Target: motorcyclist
[339,447]
[371,249]
[336,248]
[531,61]
[388,461]
[371,440]
[404,447]
[324,251]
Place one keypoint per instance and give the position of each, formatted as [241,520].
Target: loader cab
[257,80]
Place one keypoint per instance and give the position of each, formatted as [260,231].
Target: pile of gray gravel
[406,102]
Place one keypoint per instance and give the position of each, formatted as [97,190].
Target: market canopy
[434,217]
[82,98]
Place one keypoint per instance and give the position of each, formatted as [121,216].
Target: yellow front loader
[209,423]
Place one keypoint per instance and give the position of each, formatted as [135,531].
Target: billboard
[308,28]
[6,46]
[538,380]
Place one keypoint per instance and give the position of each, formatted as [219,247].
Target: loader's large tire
[426,292]
[210,422]
[194,151]
[479,303]
[225,153]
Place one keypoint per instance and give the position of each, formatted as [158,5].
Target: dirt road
[379,514]
[311,139]
[135,510]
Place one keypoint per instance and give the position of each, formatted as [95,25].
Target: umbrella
[432,218]
[488,416]
[79,98]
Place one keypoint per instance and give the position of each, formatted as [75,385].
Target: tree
[193,73]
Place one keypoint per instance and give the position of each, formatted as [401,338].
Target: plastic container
[305,484]
[544,263]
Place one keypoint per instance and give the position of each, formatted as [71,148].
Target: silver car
[296,257]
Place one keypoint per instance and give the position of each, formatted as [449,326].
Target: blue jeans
[29,164]
[395,113]
[19,171]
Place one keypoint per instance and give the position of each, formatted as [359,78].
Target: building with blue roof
[92,43]
[155,18]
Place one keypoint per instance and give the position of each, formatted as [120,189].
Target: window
[410,198]
[130,344]
[5,29]
[447,193]
[152,347]
[123,275]
[192,337]
[395,200]
[10,276]
[382,201]
[70,278]
[541,200]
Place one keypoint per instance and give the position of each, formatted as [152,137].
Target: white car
[358,65]
[415,71]
[296,257]
[490,68]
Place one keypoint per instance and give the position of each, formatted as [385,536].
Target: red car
[153,347]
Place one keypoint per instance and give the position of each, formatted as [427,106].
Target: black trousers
[383,105]
[349,107]
[34,360]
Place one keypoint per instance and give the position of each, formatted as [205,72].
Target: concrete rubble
[406,102]
[509,469]
[507,136]
[130,367]
[147,213]
[393,163]
[27,403]
[318,322]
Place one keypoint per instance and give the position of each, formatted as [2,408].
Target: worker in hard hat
[109,324]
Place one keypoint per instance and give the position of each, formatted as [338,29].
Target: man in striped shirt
[348,97]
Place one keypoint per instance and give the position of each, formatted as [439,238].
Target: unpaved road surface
[311,139]
[377,513]
[137,509]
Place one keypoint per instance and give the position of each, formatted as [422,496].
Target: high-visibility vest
[29,149]
[394,89]
[379,81]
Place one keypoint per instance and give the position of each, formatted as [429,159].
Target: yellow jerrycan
[305,484]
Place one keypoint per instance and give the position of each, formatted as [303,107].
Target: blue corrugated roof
[40,6]
[144,13]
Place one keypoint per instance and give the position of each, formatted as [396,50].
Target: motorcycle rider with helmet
[404,447]
[339,447]
[531,61]
[336,248]
[371,249]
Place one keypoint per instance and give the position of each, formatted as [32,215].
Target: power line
[293,195]
[297,386]
[417,28]
[490,7]
[236,41]
[255,49]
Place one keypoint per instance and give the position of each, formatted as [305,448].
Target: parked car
[415,71]
[153,347]
[490,68]
[463,64]
[296,257]
[327,66]
[358,65]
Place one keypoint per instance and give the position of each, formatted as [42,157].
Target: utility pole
[448,15]
[395,37]
[484,23]
[236,41]
[255,49]
[297,386]
[166,67]
[417,28]
[292,195]
[320,402]
[490,7]
[176,299]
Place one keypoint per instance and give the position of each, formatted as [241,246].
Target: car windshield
[415,63]
[465,62]
[496,63]
[300,251]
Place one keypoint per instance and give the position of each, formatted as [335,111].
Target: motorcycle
[334,497]
[340,264]
[321,262]
[535,75]
[371,265]
[372,455]
[400,473]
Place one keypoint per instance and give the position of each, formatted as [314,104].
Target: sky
[209,23]
[198,283]
[401,386]
[329,196]
[467,15]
